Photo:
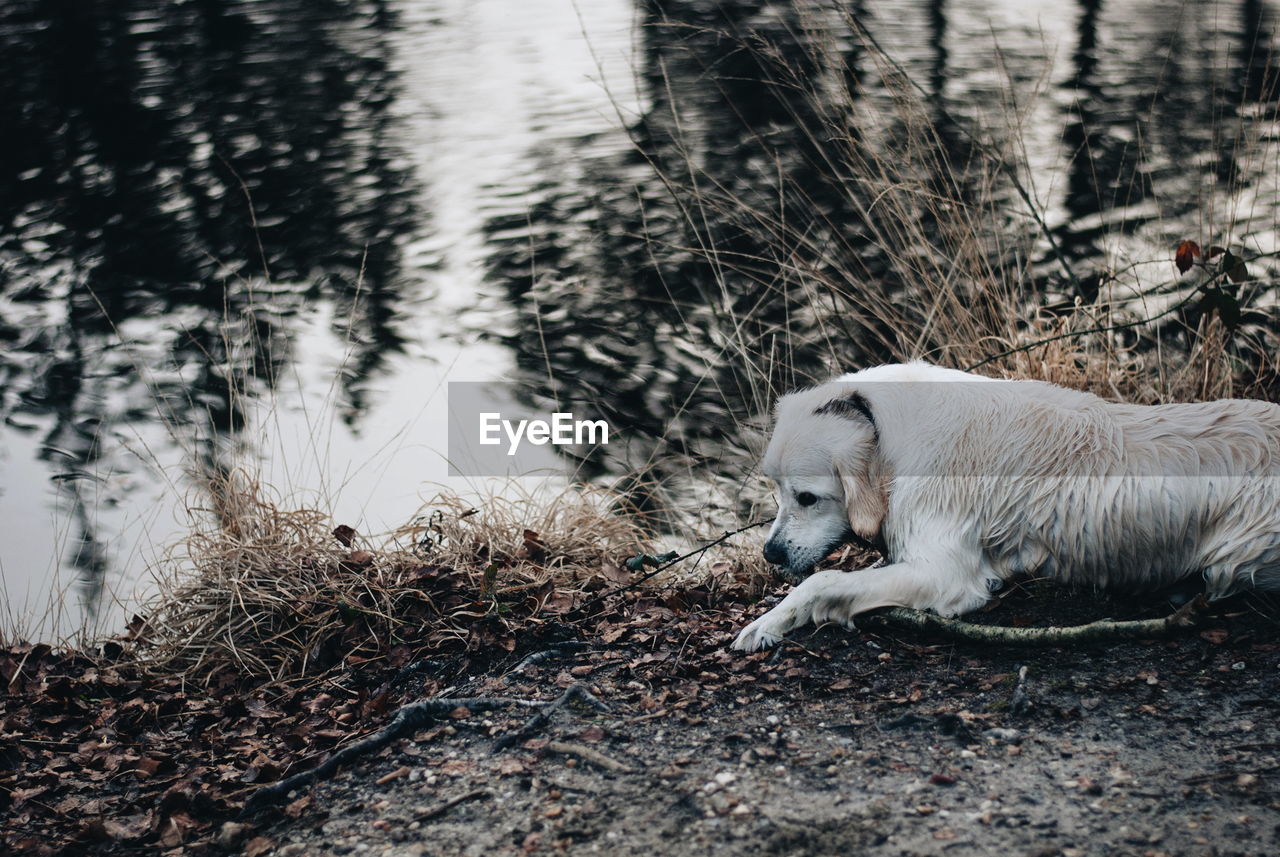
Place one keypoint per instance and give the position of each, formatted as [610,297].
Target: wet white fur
[971,483]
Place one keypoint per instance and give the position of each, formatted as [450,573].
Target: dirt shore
[878,741]
[841,743]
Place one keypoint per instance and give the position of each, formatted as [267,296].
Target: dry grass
[567,534]
[274,594]
[917,234]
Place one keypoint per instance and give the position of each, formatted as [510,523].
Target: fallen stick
[595,757]
[402,771]
[437,811]
[543,716]
[409,718]
[1184,618]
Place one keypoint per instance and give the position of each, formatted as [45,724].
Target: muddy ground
[874,742]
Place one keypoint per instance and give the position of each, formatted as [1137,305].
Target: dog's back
[1062,483]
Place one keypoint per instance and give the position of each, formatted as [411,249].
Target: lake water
[267,233]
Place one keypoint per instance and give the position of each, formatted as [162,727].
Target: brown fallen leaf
[176,828]
[509,767]
[455,767]
[257,846]
[299,806]
[591,734]
[128,828]
[146,767]
[615,573]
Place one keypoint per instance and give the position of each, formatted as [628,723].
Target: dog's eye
[804,498]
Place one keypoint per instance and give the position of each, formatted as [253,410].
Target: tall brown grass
[949,257]
[272,593]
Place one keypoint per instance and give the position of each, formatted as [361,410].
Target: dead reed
[276,594]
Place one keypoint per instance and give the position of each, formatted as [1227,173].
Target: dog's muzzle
[775,553]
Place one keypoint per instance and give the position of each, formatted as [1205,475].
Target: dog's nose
[775,553]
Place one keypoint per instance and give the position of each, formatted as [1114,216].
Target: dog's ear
[865,503]
[851,407]
[861,468]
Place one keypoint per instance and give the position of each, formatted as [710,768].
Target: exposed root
[1104,630]
[409,718]
[543,717]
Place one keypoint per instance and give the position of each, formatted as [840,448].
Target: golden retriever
[967,481]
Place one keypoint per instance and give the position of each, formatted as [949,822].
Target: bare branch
[1185,618]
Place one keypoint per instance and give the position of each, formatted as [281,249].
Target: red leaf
[1188,252]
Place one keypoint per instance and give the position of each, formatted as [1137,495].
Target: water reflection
[180,179]
[614,286]
[657,285]
[653,280]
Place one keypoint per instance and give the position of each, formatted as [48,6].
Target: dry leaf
[1188,252]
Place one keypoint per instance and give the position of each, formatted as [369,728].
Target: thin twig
[437,811]
[1102,329]
[595,757]
[1213,280]
[582,608]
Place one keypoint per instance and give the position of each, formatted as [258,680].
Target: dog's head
[832,484]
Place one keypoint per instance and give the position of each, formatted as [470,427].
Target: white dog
[966,481]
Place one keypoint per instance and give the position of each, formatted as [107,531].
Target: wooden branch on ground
[543,716]
[1104,630]
[408,719]
[587,754]
[440,810]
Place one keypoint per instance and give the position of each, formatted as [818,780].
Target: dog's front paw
[763,633]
